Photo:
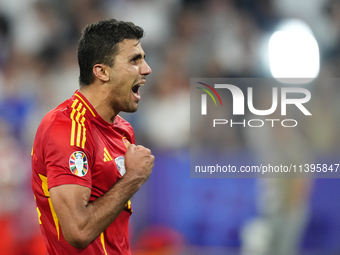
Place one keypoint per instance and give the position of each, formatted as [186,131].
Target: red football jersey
[74,145]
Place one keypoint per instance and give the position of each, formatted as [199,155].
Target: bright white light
[294,53]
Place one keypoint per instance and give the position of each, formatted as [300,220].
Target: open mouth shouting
[135,90]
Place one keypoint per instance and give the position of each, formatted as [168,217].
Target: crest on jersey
[120,162]
[78,163]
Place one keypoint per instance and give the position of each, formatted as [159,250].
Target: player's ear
[101,72]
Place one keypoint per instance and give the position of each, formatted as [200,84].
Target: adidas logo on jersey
[107,156]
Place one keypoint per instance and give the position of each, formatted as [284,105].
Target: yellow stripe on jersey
[84,130]
[77,117]
[47,194]
[107,154]
[106,158]
[103,241]
[86,105]
[79,124]
[128,205]
[39,215]
[73,122]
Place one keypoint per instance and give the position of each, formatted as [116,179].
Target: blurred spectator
[184,39]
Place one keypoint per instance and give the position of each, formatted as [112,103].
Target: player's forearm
[99,214]
[84,221]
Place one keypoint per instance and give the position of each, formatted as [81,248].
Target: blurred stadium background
[173,214]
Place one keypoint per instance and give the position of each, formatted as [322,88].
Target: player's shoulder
[66,125]
[58,119]
[58,114]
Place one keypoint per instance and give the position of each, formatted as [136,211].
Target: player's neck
[96,97]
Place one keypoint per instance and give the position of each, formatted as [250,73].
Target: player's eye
[135,59]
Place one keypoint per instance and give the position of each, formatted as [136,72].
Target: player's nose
[145,70]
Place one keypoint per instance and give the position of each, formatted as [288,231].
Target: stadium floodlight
[294,53]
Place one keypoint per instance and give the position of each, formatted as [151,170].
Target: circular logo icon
[78,163]
[120,162]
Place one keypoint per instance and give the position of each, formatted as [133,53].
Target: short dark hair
[99,44]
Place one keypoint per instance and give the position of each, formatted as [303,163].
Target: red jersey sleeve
[65,162]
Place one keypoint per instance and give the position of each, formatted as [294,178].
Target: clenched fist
[138,162]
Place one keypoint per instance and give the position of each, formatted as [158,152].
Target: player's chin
[133,107]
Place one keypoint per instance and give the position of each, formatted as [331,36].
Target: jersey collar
[79,100]
[85,104]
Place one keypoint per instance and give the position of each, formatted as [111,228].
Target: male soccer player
[84,161]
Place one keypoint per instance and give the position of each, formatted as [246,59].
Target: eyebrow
[138,56]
